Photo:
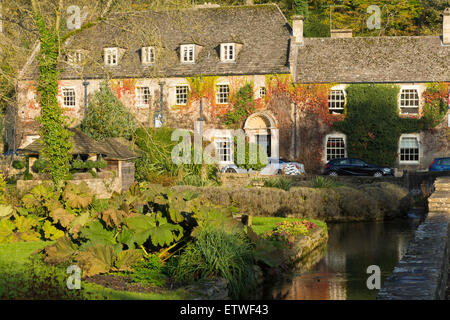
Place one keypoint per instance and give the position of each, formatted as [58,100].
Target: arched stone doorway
[261,128]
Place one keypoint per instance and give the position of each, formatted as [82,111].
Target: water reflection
[339,271]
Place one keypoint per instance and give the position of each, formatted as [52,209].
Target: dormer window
[111,56]
[148,55]
[188,53]
[228,52]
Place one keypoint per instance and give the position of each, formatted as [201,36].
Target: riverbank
[342,203]
[422,274]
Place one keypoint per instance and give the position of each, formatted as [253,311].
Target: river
[340,270]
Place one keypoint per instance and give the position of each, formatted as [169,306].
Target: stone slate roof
[373,59]
[263,31]
[118,149]
[82,144]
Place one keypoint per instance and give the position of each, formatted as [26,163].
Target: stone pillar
[446,27]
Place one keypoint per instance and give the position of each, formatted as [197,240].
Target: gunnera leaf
[78,196]
[113,217]
[165,233]
[62,251]
[78,223]
[96,234]
[51,232]
[62,216]
[5,211]
[6,231]
[96,259]
[127,258]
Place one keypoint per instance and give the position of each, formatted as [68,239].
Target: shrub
[323,182]
[280,183]
[286,231]
[216,253]
[196,181]
[36,281]
[39,165]
[107,117]
[149,271]
[17,164]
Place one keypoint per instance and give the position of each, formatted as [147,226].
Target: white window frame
[140,96]
[178,100]
[111,56]
[419,149]
[220,96]
[74,57]
[335,135]
[148,55]
[63,97]
[332,99]
[262,92]
[223,157]
[187,53]
[228,52]
[400,100]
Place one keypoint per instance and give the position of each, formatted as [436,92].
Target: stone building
[173,67]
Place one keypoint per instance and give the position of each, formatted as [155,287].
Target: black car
[355,167]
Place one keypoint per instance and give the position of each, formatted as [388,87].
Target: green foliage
[107,117]
[36,281]
[287,231]
[156,146]
[79,164]
[2,189]
[216,253]
[149,271]
[57,144]
[323,182]
[39,165]
[17,164]
[256,160]
[51,232]
[18,229]
[301,8]
[372,124]
[280,183]
[243,107]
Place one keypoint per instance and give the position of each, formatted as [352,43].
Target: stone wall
[422,273]
[103,186]
[365,202]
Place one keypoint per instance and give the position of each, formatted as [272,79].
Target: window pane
[335,148]
[68,97]
[409,101]
[336,101]
[223,92]
[182,95]
[223,149]
[409,149]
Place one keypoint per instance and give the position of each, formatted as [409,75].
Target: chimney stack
[297,28]
[446,27]
[341,33]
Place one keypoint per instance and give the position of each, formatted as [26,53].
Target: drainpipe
[85,84]
[160,116]
[295,130]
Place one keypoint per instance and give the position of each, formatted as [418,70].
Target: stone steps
[439,201]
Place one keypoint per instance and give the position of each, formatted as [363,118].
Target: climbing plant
[373,125]
[244,106]
[57,144]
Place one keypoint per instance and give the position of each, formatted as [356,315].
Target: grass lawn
[263,224]
[18,253]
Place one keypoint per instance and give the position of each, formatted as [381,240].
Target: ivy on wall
[56,138]
[373,125]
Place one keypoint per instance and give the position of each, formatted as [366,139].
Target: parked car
[274,166]
[440,164]
[279,166]
[355,167]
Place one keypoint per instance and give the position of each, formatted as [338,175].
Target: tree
[107,117]
[41,27]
